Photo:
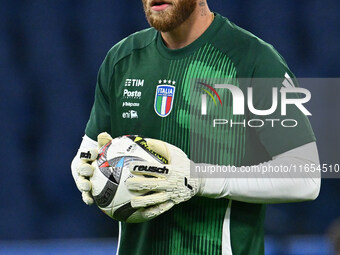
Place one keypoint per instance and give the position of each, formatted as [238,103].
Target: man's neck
[190,29]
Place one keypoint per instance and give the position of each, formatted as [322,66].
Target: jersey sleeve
[99,120]
[271,71]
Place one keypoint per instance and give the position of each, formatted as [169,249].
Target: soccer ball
[111,171]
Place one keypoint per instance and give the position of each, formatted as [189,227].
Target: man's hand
[169,184]
[82,168]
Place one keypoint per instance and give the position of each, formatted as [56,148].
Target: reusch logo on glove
[153,169]
[85,155]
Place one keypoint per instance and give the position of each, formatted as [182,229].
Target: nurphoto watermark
[237,125]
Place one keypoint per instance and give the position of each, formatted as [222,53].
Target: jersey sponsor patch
[130,104]
[164,99]
[131,114]
[132,94]
[134,83]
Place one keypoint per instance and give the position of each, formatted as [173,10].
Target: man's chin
[170,16]
[162,28]
[162,22]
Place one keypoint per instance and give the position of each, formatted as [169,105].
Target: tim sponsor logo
[134,83]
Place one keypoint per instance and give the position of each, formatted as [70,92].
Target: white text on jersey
[134,83]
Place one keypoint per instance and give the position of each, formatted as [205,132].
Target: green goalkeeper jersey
[144,88]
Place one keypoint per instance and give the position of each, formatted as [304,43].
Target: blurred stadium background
[50,52]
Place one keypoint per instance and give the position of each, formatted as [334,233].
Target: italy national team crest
[164,99]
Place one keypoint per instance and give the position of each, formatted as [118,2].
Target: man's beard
[172,17]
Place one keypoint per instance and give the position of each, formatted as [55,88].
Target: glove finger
[148,200]
[87,198]
[86,170]
[103,138]
[83,184]
[159,147]
[154,211]
[149,169]
[89,155]
[146,184]
[168,150]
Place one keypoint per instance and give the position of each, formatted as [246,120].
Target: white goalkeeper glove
[169,184]
[82,168]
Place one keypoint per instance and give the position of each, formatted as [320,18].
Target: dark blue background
[50,52]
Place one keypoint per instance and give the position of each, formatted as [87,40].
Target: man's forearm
[269,189]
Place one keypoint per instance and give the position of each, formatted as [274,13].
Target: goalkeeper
[143,88]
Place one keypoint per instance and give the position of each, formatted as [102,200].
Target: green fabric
[225,52]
